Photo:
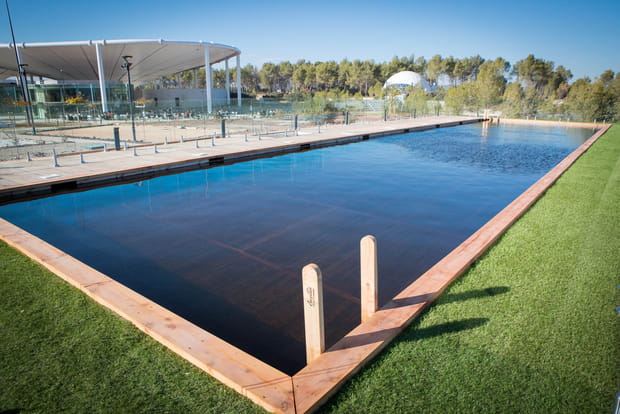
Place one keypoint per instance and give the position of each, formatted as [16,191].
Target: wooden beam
[312,282]
[369,276]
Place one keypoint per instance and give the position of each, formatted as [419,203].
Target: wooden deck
[19,178]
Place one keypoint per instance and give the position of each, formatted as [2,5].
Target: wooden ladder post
[312,282]
[369,276]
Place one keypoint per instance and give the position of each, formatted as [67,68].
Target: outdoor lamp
[127,65]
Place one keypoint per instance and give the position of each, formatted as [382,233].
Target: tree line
[353,77]
[526,88]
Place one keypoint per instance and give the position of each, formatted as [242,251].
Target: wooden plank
[563,124]
[314,324]
[263,384]
[369,277]
[315,383]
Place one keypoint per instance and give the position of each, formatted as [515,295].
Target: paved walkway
[17,176]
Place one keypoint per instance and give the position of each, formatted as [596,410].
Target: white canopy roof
[152,58]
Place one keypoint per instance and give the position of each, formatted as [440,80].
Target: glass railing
[83,127]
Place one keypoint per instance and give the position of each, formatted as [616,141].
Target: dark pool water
[224,247]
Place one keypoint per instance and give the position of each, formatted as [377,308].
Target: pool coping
[263,384]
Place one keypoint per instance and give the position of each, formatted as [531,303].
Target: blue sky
[582,36]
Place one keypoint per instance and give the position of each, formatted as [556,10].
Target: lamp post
[24,79]
[20,68]
[62,94]
[127,65]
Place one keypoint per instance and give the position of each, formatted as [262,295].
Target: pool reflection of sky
[224,247]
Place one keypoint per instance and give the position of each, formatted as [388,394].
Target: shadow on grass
[14,411]
[419,334]
[380,335]
[472,294]
[446,298]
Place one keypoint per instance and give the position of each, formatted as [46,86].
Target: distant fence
[255,116]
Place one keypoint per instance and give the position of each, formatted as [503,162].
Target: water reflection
[485,131]
[501,150]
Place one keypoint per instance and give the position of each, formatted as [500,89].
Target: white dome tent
[407,78]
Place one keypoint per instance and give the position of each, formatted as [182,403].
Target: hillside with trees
[530,87]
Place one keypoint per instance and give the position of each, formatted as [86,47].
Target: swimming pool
[224,247]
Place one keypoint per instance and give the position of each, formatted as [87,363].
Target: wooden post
[312,282]
[369,276]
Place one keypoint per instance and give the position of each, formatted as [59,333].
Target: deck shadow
[409,301]
[360,340]
[472,294]
[419,334]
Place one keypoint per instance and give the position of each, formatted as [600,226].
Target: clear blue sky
[582,36]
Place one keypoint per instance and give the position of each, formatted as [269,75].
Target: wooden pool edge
[315,383]
[549,123]
[263,384]
[252,378]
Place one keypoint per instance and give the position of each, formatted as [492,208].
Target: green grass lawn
[532,327]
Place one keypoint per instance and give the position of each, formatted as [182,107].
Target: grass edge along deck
[263,384]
